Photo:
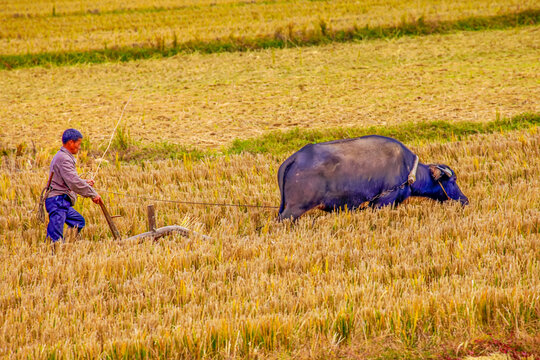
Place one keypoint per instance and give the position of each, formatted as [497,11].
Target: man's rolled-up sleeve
[74,182]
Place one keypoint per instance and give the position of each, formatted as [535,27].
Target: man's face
[73,146]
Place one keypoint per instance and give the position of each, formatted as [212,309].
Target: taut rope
[111,139]
[187,202]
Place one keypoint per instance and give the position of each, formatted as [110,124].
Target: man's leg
[75,220]
[57,217]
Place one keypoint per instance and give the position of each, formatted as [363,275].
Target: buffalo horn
[445,170]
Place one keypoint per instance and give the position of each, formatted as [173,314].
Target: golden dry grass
[497,356]
[208,100]
[44,8]
[143,24]
[414,281]
[408,280]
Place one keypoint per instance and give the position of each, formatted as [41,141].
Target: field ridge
[282,38]
[280,143]
[133,10]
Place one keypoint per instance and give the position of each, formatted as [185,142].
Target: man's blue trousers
[61,212]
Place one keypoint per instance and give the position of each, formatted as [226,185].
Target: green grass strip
[285,142]
[282,38]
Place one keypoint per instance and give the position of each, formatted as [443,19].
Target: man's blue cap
[71,134]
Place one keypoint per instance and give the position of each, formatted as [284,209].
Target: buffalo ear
[436,173]
[439,171]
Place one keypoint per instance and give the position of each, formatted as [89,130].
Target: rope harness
[410,180]
[444,190]
[447,172]
[41,212]
[42,198]
[187,202]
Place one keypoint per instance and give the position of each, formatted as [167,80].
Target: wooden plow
[153,232]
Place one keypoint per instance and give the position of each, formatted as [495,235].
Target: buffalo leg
[303,192]
[394,198]
[291,213]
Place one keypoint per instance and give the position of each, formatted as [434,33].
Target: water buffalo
[368,171]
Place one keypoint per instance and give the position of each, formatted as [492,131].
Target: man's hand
[90,182]
[97,200]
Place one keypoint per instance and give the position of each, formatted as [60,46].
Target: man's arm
[74,182]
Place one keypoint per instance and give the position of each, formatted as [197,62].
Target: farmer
[65,185]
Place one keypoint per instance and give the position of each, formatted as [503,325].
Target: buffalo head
[445,180]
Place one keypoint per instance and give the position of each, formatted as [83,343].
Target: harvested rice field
[209,100]
[423,280]
[415,281]
[33,27]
